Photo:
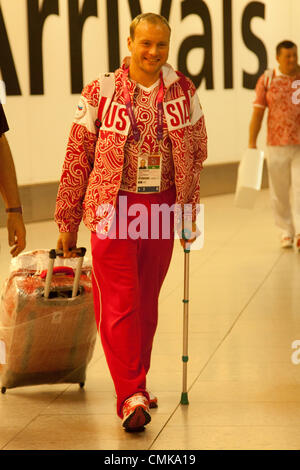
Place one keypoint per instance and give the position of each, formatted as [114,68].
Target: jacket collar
[169,77]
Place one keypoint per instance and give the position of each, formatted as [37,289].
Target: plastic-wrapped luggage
[46,340]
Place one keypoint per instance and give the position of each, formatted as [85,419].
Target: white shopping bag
[249,178]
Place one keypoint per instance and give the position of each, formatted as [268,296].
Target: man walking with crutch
[148,152]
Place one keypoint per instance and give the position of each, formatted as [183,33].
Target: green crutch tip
[184,398]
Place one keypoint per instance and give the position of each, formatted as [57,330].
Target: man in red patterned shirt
[148,154]
[275,90]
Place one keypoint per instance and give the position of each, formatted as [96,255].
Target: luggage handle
[59,270]
[80,252]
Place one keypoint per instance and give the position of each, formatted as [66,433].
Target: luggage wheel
[3,390]
[81,385]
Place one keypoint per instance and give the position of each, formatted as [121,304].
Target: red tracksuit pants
[127,278]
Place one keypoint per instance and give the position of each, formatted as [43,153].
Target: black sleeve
[3,122]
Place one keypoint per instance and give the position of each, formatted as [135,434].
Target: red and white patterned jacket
[92,169]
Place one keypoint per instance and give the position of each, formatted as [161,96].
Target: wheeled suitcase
[47,331]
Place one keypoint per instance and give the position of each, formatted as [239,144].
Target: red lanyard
[160,109]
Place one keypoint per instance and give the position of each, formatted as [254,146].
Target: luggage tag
[149,173]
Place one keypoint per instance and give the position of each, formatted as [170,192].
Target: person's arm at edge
[10,193]
[255,125]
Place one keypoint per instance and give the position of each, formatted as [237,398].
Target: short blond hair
[151,18]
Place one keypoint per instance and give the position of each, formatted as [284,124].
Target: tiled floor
[244,390]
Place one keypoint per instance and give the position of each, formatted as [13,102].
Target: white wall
[39,125]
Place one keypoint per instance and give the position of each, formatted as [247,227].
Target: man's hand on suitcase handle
[67,242]
[78,252]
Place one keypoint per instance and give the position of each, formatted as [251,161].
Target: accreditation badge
[149,173]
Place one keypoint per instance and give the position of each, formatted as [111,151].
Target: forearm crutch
[184,395]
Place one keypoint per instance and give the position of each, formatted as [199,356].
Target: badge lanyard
[160,110]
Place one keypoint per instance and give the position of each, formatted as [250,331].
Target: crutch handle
[186,235]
